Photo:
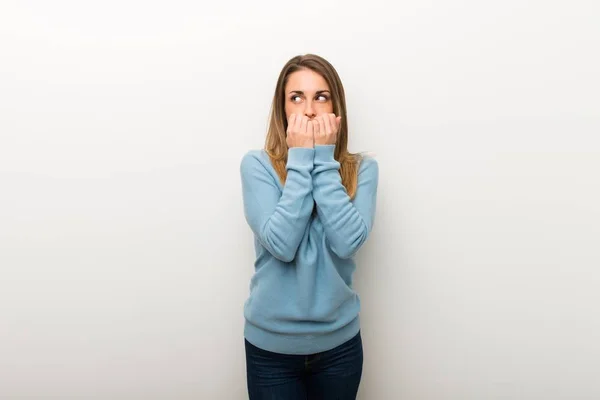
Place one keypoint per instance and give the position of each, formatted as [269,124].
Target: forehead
[306,80]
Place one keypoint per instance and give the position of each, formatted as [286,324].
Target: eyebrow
[317,92]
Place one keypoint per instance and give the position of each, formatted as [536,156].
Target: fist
[300,132]
[326,129]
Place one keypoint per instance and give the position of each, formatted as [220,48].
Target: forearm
[347,223]
[280,223]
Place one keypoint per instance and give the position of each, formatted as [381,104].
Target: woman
[310,204]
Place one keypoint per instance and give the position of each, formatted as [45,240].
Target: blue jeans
[331,375]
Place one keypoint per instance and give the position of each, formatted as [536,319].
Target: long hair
[276,145]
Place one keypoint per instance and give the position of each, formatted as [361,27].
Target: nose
[309,111]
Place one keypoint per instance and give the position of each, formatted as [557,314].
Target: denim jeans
[330,375]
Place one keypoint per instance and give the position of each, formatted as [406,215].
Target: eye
[295,97]
[324,97]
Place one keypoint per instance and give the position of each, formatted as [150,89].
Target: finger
[322,130]
[291,121]
[316,126]
[338,121]
[310,128]
[333,121]
[327,123]
[303,125]
[297,123]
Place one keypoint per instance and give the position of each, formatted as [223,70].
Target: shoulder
[255,154]
[253,158]
[368,164]
[255,163]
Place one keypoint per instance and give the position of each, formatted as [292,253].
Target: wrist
[325,151]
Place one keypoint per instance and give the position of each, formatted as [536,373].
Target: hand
[326,128]
[300,132]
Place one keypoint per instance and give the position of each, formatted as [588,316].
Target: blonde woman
[311,205]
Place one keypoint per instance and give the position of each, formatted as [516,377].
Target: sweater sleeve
[347,222]
[279,218]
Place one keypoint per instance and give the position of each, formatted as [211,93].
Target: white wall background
[124,254]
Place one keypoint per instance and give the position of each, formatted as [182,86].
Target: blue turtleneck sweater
[301,296]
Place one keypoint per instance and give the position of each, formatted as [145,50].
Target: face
[307,93]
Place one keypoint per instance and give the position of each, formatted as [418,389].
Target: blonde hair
[276,145]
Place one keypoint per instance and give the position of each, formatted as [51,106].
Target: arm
[279,219]
[347,223]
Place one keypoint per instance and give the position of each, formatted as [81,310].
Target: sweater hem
[297,343]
